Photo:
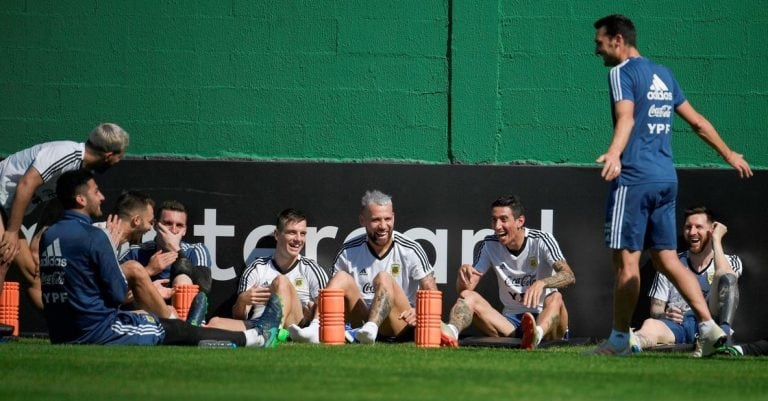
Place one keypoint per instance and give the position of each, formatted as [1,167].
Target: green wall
[432,81]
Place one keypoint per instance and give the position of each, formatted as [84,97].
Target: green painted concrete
[428,81]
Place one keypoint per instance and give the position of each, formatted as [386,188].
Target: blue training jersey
[655,93]
[82,283]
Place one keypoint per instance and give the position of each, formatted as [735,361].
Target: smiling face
[91,199]
[378,221]
[291,239]
[608,47]
[697,232]
[174,220]
[507,227]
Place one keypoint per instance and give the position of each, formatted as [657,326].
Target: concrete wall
[432,81]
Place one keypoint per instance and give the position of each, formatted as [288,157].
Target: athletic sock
[539,334]
[253,338]
[309,334]
[367,333]
[706,326]
[619,340]
[454,331]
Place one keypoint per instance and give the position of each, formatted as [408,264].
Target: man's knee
[554,300]
[133,270]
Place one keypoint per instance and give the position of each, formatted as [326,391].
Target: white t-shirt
[663,290]
[516,273]
[50,159]
[405,260]
[305,275]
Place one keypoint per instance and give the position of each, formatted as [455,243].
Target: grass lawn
[35,370]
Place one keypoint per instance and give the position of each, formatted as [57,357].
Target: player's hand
[533,294]
[611,166]
[9,246]
[257,295]
[409,317]
[160,260]
[674,314]
[160,285]
[468,275]
[736,160]
[6,261]
[166,239]
[114,229]
[719,230]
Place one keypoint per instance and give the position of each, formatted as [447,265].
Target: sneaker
[634,343]
[268,324]
[530,334]
[350,335]
[698,349]
[728,350]
[198,309]
[606,348]
[448,338]
[713,340]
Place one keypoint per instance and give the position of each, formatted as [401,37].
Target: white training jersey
[305,275]
[50,159]
[405,260]
[663,290]
[515,273]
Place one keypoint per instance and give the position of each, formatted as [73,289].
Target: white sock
[309,334]
[454,330]
[253,338]
[367,333]
[706,326]
[539,334]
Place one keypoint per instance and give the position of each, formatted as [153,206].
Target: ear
[135,220]
[81,200]
[521,221]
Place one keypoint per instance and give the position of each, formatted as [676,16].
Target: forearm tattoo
[657,308]
[461,315]
[562,278]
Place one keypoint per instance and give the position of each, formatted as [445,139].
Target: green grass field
[36,370]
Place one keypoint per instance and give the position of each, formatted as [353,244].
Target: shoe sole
[448,341]
[528,325]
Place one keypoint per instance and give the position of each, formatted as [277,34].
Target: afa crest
[533,263]
[298,282]
[395,269]
[710,277]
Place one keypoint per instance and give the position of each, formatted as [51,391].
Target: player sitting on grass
[672,321]
[295,278]
[83,285]
[529,268]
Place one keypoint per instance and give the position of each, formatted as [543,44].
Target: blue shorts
[685,333]
[641,216]
[516,320]
[133,328]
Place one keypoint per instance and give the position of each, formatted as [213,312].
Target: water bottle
[216,344]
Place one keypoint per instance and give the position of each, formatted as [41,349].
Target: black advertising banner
[446,208]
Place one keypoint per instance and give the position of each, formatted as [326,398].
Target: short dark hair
[132,202]
[511,201]
[172,205]
[71,184]
[289,215]
[616,24]
[700,210]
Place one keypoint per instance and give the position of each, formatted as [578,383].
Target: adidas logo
[52,257]
[658,90]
